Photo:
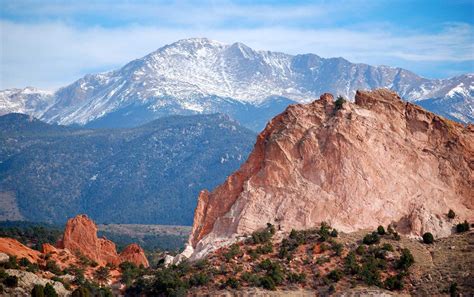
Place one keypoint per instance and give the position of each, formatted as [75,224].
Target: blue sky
[49,44]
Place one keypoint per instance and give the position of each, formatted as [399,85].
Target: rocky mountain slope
[199,75]
[377,161]
[149,174]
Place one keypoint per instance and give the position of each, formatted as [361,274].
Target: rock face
[374,162]
[135,254]
[13,247]
[80,236]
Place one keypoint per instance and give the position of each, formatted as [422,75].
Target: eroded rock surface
[374,162]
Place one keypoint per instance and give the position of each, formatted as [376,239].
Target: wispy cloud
[52,44]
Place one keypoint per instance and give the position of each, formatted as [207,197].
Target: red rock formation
[80,236]
[377,161]
[134,253]
[13,247]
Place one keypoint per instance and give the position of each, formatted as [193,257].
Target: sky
[49,44]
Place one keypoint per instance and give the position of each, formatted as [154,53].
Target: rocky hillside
[149,174]
[377,161]
[199,75]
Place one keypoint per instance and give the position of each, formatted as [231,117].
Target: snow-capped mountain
[199,75]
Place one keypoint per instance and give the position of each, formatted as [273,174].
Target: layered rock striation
[377,161]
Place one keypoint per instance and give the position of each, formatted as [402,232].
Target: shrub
[390,229]
[350,263]
[394,282]
[462,227]
[387,247]
[334,233]
[38,291]
[49,291]
[381,230]
[294,277]
[251,278]
[11,281]
[234,250]
[267,283]
[335,275]
[130,272]
[167,282]
[406,259]
[199,279]
[232,282]
[262,236]
[451,214]
[81,292]
[53,267]
[102,274]
[453,290]
[371,238]
[361,250]
[396,236]
[265,249]
[369,272]
[428,238]
[339,102]
[24,262]
[337,248]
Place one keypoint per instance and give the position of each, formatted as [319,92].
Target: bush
[232,282]
[11,281]
[334,233]
[396,236]
[350,263]
[53,267]
[369,272]
[381,230]
[390,229]
[167,282]
[38,291]
[24,262]
[234,250]
[371,238]
[339,102]
[453,290]
[251,278]
[199,279]
[337,248]
[262,236]
[387,247]
[49,291]
[451,214]
[406,259]
[295,278]
[428,238]
[267,283]
[265,249]
[394,282]
[81,292]
[335,275]
[462,227]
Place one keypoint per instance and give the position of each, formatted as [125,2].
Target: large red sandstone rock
[377,161]
[80,236]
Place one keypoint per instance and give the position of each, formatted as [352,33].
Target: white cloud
[52,54]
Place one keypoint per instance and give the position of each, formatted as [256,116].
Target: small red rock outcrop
[80,236]
[134,253]
[377,161]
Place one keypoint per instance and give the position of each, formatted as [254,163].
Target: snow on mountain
[199,75]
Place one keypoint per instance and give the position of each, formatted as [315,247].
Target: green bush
[265,249]
[251,279]
[49,291]
[262,236]
[393,283]
[199,279]
[38,291]
[453,290]
[462,227]
[268,283]
[335,275]
[350,263]
[11,281]
[81,292]
[337,248]
[371,238]
[451,214]
[296,278]
[387,247]
[406,259]
[232,282]
[339,102]
[369,272]
[53,267]
[381,230]
[334,233]
[428,238]
[233,251]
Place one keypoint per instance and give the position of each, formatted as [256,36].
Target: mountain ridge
[196,75]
